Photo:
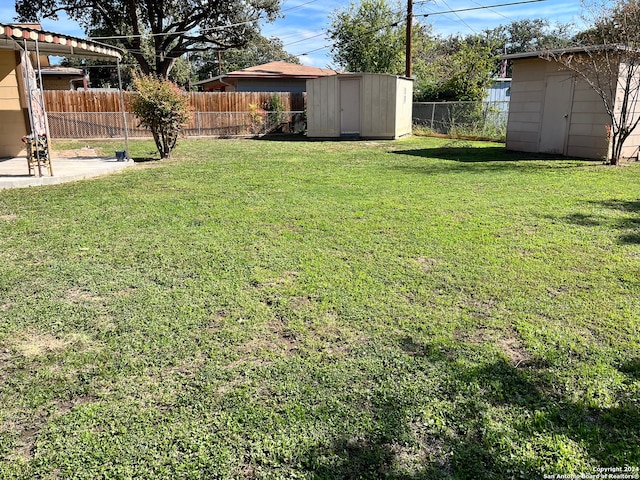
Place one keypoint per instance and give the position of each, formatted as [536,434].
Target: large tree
[453,68]
[259,50]
[528,35]
[609,62]
[174,27]
[368,37]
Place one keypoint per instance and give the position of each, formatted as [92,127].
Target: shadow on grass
[629,224]
[488,158]
[145,159]
[470,443]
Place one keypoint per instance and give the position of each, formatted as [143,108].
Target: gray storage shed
[359,105]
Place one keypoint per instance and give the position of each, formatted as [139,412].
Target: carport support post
[124,113]
[44,114]
[30,107]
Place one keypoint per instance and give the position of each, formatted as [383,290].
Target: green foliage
[162,107]
[268,117]
[259,50]
[460,72]
[528,35]
[158,32]
[366,37]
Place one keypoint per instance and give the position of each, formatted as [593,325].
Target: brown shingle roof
[281,70]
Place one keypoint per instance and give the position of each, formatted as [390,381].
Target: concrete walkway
[67,167]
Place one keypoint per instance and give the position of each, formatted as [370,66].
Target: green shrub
[162,107]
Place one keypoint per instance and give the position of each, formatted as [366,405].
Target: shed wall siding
[385,106]
[404,107]
[586,132]
[525,107]
[632,144]
[378,111]
[12,116]
[322,107]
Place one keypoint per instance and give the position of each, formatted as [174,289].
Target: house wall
[586,134]
[271,85]
[12,116]
[55,82]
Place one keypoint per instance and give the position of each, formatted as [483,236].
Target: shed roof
[559,51]
[14,36]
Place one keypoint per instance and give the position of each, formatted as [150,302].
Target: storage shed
[359,105]
[552,110]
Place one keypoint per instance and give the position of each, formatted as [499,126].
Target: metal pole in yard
[124,114]
[408,40]
[44,114]
[433,113]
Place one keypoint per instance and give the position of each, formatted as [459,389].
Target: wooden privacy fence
[81,101]
[80,114]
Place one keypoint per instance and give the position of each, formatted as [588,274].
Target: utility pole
[408,41]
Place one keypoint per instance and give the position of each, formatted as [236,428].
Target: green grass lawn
[425,308]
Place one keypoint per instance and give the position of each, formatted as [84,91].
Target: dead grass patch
[80,295]
[32,344]
[426,264]
[507,341]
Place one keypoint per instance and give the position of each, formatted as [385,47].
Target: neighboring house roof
[272,70]
[14,36]
[281,70]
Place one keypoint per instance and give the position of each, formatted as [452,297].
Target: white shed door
[350,106]
[556,114]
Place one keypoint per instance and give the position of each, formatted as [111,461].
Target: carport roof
[13,36]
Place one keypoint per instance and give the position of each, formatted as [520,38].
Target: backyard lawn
[418,309]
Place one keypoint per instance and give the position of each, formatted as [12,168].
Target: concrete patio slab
[14,172]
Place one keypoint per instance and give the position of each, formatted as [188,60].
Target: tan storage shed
[551,110]
[359,105]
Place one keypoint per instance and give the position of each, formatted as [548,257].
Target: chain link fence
[211,124]
[475,119]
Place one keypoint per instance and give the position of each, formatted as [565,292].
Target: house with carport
[21,48]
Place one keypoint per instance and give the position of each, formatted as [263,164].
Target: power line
[482,7]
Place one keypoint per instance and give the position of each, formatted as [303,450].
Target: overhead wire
[455,11]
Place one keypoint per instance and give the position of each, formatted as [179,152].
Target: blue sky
[304,21]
